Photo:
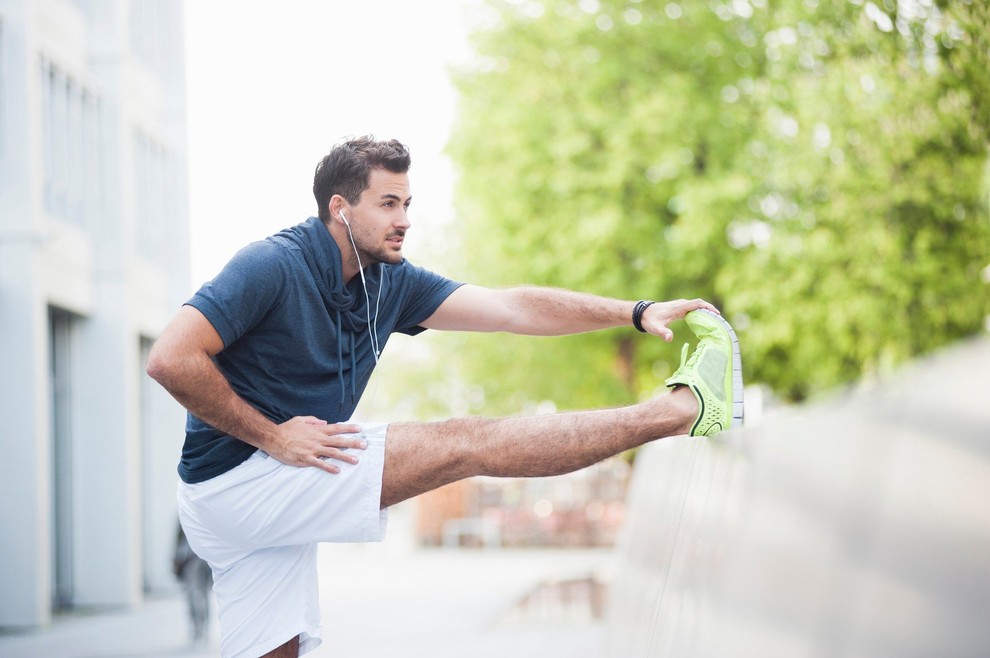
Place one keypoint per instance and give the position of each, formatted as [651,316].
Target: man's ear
[337,206]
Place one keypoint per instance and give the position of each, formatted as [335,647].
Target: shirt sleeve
[244,292]
[426,290]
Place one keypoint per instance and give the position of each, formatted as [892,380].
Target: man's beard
[381,253]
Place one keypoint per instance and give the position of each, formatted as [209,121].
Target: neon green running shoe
[714,373]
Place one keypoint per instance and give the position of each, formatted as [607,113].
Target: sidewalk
[377,600]
[450,604]
[158,629]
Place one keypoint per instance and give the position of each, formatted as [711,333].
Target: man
[271,357]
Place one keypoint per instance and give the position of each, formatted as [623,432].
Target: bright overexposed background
[272,86]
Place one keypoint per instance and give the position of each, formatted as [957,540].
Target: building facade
[93,262]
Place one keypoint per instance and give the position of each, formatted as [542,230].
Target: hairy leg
[420,457]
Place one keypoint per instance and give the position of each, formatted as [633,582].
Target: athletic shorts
[258,526]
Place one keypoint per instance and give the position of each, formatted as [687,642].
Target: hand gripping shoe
[714,373]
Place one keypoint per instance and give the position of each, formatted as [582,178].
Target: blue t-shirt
[296,337]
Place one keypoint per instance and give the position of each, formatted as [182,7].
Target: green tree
[815,169]
[585,142]
[872,204]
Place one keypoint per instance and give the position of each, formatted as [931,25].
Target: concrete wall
[859,526]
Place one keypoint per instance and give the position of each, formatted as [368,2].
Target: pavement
[380,600]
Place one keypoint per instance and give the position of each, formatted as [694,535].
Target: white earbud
[346,223]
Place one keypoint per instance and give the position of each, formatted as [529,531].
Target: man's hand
[304,440]
[659,314]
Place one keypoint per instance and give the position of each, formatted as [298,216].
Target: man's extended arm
[536,311]
[182,362]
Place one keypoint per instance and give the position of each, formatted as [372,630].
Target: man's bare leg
[288,650]
[420,457]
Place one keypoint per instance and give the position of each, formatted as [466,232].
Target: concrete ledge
[855,527]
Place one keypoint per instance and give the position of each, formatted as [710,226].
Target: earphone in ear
[346,223]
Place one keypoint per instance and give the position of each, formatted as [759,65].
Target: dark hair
[348,166]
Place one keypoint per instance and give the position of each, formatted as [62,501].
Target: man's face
[379,220]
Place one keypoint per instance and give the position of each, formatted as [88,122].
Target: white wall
[125,435]
[24,501]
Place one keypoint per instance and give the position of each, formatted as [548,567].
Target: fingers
[337,431]
[658,316]
[311,441]
[335,441]
[682,307]
[343,436]
[336,428]
[688,305]
[323,461]
[322,456]
[705,305]
[324,465]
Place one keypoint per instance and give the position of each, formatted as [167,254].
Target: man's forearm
[199,386]
[535,311]
[554,312]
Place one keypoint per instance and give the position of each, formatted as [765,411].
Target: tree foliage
[816,169]
[871,199]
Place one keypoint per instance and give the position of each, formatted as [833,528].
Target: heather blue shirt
[295,335]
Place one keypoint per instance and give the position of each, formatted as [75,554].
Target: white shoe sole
[737,377]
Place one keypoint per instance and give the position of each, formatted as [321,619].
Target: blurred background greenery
[816,169]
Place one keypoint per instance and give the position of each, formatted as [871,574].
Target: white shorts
[258,525]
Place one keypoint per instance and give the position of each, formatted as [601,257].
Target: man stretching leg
[271,357]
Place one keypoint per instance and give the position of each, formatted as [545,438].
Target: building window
[61,332]
[71,140]
[153,26]
[154,198]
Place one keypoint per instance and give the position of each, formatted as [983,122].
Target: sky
[272,86]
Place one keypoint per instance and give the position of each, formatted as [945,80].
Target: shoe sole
[737,378]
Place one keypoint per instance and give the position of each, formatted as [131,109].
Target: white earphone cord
[375,348]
